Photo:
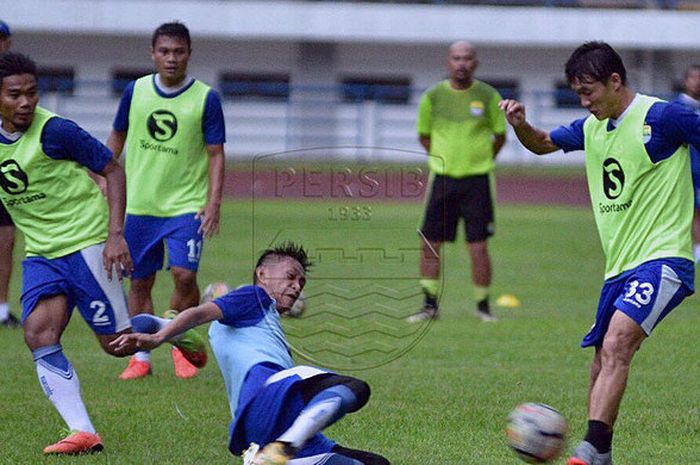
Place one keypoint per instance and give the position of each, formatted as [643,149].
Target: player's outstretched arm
[184,321]
[116,253]
[534,139]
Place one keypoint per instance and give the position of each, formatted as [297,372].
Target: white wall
[95,37]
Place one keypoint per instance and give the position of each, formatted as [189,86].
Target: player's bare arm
[534,139]
[184,321]
[211,213]
[116,252]
[115,142]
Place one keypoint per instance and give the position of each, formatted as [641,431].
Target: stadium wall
[319,44]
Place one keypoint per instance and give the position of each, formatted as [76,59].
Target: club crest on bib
[162,125]
[477,108]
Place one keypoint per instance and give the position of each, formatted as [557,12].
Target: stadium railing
[319,116]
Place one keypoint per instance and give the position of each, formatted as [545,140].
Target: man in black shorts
[462,129]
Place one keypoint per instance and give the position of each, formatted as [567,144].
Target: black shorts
[454,198]
[5,218]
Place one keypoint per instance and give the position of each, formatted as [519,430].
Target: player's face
[598,98]
[692,83]
[461,63]
[170,55]
[19,96]
[283,280]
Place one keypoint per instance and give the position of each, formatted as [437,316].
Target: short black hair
[285,249]
[597,61]
[172,29]
[12,63]
[691,68]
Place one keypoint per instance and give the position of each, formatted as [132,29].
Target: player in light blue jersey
[691,99]
[276,406]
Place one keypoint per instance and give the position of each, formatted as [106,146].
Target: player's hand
[116,257]
[132,342]
[514,110]
[211,217]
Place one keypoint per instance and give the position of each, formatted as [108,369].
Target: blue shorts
[646,294]
[148,235]
[81,277]
[277,402]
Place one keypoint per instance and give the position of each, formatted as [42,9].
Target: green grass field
[441,394]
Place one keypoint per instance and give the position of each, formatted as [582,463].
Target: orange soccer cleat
[183,368]
[136,369]
[79,442]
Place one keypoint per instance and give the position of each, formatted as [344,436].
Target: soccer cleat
[587,454]
[11,322]
[249,453]
[428,312]
[192,346]
[483,311]
[275,453]
[136,369]
[485,316]
[79,442]
[183,368]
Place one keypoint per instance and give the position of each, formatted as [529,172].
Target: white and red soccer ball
[536,432]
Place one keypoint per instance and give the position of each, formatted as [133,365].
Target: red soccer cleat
[136,369]
[183,368]
[76,443]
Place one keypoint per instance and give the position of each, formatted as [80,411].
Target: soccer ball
[536,432]
[214,291]
[298,308]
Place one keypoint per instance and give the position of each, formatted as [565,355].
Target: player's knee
[616,350]
[33,339]
[184,279]
[361,390]
[40,335]
[111,351]
[376,459]
[141,287]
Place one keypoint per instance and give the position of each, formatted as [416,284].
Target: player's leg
[144,236]
[45,319]
[7,243]
[439,225]
[477,211]
[629,310]
[481,278]
[622,340]
[191,344]
[185,291]
[184,244]
[327,398]
[364,457]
